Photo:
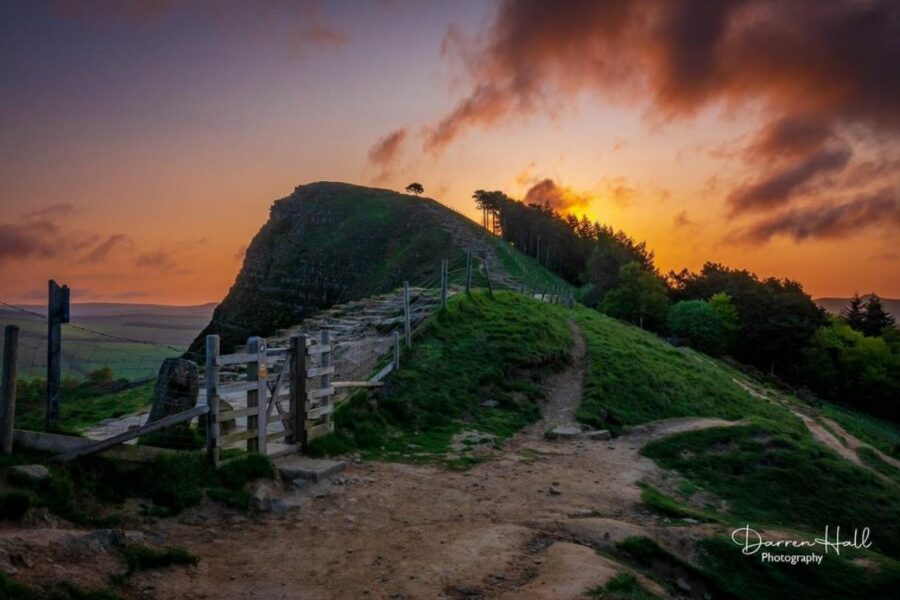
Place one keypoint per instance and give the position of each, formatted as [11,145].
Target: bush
[140,558]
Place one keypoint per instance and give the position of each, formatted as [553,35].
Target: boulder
[600,436]
[177,386]
[31,472]
[565,432]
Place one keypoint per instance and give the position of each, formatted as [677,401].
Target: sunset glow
[142,144]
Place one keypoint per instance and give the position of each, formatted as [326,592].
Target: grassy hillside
[329,243]
[480,348]
[635,377]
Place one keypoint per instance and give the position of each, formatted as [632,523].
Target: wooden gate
[275,400]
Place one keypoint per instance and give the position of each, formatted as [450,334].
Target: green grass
[667,506]
[877,433]
[92,491]
[873,460]
[521,266]
[83,409]
[482,348]
[623,586]
[635,377]
[778,476]
[836,577]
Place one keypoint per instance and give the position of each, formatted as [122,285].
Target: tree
[415,188]
[777,318]
[729,319]
[700,323]
[875,319]
[853,314]
[640,298]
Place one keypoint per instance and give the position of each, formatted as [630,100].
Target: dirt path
[525,523]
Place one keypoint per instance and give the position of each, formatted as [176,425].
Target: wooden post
[407,329]
[468,269]
[298,389]
[522,289]
[57,314]
[212,399]
[8,393]
[253,395]
[396,350]
[325,381]
[444,277]
[487,276]
[543,291]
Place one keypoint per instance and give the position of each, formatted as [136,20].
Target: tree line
[769,323]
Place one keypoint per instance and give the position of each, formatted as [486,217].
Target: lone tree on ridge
[415,188]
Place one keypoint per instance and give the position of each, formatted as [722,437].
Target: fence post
[396,337]
[325,381]
[298,389]
[444,276]
[57,314]
[8,397]
[407,329]
[212,399]
[253,395]
[487,276]
[468,269]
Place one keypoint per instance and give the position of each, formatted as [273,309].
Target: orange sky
[141,150]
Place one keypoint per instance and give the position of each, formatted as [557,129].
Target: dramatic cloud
[775,189]
[39,236]
[386,150]
[561,198]
[825,74]
[109,246]
[829,221]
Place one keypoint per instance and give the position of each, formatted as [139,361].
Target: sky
[143,142]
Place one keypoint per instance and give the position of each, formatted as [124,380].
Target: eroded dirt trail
[523,524]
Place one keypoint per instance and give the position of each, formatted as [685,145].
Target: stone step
[301,467]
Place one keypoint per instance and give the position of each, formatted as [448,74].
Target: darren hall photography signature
[752,542]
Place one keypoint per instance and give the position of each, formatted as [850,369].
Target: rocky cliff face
[329,243]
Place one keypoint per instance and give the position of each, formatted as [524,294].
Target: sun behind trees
[770,324]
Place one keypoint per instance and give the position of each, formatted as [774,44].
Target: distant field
[132,339]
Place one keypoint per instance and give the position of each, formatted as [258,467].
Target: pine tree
[853,314]
[875,318]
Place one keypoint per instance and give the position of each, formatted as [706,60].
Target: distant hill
[329,243]
[132,339]
[836,305]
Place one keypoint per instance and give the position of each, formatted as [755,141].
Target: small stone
[600,436]
[554,491]
[33,472]
[611,446]
[278,506]
[567,432]
[690,520]
[683,585]
[490,403]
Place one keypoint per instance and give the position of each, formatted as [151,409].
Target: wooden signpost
[57,314]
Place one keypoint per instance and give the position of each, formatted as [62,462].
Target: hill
[836,305]
[329,243]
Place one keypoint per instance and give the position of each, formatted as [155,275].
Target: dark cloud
[53,211]
[789,137]
[832,220]
[683,220]
[561,198]
[775,189]
[825,74]
[159,260]
[385,151]
[39,238]
[102,251]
